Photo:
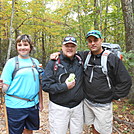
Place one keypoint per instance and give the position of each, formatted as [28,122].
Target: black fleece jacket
[98,90]
[54,84]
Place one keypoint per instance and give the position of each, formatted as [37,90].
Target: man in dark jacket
[99,95]
[65,106]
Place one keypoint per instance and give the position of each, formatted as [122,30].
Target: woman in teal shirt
[23,93]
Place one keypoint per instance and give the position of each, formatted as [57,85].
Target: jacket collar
[98,55]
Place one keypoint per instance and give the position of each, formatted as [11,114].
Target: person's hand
[1,83]
[54,56]
[71,84]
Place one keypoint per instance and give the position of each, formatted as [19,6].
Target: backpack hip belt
[22,98]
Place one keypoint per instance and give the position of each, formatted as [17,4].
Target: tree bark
[43,50]
[97,12]
[129,23]
[128,11]
[11,31]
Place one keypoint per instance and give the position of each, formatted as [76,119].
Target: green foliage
[124,108]
[115,106]
[128,59]
[49,21]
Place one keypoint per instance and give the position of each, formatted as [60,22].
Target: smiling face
[69,50]
[23,46]
[94,44]
[23,49]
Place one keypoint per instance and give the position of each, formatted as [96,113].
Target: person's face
[94,44]
[69,50]
[23,49]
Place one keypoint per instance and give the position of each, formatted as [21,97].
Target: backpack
[103,65]
[114,48]
[39,69]
[57,64]
[65,75]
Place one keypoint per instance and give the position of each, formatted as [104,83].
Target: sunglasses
[70,39]
[25,37]
[88,34]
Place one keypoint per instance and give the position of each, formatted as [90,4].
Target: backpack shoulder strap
[34,64]
[104,65]
[104,61]
[87,60]
[57,62]
[79,58]
[16,67]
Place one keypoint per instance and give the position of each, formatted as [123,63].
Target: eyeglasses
[70,39]
[88,34]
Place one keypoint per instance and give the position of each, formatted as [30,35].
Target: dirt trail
[122,110]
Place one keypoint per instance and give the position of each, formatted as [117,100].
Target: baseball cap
[94,33]
[69,39]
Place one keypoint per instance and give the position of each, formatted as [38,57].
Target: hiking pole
[2,102]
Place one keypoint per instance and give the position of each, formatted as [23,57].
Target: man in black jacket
[65,106]
[100,91]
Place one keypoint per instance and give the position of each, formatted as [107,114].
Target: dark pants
[20,118]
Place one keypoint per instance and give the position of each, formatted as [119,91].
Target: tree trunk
[80,30]
[43,50]
[11,31]
[128,10]
[97,12]
[106,20]
[133,6]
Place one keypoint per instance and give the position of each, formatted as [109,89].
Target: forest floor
[123,118]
